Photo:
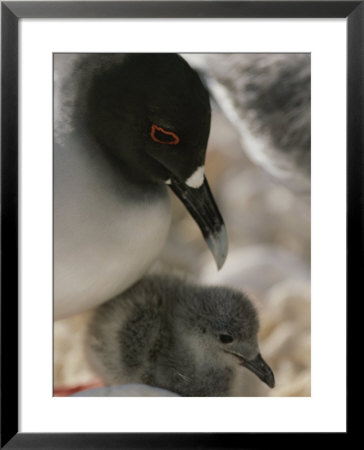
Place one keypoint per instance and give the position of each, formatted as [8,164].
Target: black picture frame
[11,13]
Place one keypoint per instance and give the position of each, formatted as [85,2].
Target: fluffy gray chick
[164,332]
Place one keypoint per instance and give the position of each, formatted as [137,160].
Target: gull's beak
[202,207]
[260,368]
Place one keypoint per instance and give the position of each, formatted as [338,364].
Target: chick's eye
[162,136]
[226,338]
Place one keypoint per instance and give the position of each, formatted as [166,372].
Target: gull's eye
[158,134]
[226,338]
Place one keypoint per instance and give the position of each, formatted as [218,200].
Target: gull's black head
[224,323]
[151,114]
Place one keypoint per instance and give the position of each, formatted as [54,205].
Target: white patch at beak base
[197,178]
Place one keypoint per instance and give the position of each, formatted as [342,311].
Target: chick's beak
[260,368]
[202,207]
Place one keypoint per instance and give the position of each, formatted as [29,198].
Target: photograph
[182,224]
[181,194]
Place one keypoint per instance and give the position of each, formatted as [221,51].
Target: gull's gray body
[267,97]
[167,333]
[98,251]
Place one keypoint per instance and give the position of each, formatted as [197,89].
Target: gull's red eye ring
[158,134]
